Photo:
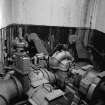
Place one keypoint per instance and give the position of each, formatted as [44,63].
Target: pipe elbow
[58,57]
[37,42]
[63,55]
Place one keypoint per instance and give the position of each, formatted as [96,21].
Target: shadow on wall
[51,36]
[97,45]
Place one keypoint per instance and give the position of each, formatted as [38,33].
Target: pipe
[38,43]
[9,89]
[48,75]
[62,55]
[56,59]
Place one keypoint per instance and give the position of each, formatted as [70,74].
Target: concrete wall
[72,13]
[5,19]
[100,16]
[5,13]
